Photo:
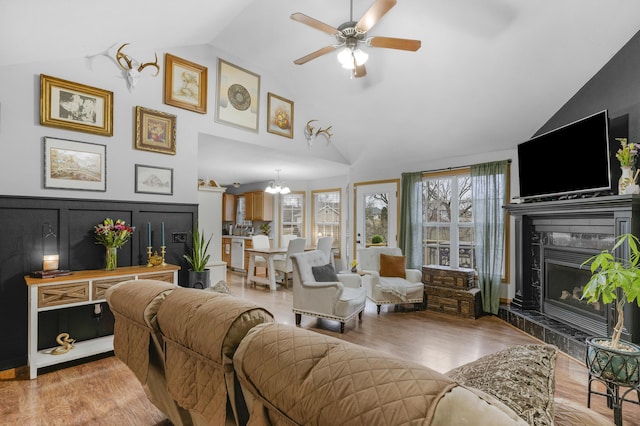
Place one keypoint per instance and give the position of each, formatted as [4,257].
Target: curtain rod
[455,168]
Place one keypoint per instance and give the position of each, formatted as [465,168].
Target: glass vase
[112,258]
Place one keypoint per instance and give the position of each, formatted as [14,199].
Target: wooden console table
[80,288]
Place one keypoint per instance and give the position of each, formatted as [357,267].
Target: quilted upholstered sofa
[209,358]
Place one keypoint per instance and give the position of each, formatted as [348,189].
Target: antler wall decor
[131,72]
[310,133]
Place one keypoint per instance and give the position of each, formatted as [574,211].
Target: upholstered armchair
[318,291]
[386,278]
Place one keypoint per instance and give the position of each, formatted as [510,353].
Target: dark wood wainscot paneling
[72,222]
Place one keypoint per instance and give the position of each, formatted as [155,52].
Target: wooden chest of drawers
[444,276]
[462,303]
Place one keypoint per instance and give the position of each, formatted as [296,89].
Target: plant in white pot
[197,260]
[615,278]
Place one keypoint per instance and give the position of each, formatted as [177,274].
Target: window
[292,214]
[326,216]
[448,219]
[447,206]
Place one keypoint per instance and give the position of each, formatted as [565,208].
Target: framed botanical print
[154,180]
[75,106]
[237,96]
[74,165]
[185,84]
[155,131]
[279,115]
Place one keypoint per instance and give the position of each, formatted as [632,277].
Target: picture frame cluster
[77,165]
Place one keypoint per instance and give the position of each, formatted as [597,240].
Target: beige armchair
[336,297]
[382,289]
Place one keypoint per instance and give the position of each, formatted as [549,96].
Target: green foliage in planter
[265,228]
[613,278]
[377,239]
[198,258]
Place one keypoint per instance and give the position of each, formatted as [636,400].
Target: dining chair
[285,265]
[260,242]
[284,243]
[324,245]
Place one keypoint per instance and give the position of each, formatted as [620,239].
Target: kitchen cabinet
[228,208]
[226,250]
[258,206]
[247,245]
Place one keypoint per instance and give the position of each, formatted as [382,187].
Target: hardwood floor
[105,392]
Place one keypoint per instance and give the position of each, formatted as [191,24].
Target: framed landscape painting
[237,96]
[279,115]
[155,131]
[75,106]
[185,84]
[74,165]
[154,180]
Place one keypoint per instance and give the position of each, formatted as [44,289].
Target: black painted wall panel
[72,220]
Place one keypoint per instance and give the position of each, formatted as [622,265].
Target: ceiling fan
[351,34]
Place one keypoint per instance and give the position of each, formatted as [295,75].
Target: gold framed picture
[185,84]
[74,165]
[155,131]
[279,115]
[75,106]
[237,97]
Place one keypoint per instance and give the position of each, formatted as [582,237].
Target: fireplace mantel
[609,215]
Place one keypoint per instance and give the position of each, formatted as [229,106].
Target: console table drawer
[163,276]
[100,286]
[63,294]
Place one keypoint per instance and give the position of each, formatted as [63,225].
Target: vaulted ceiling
[488,75]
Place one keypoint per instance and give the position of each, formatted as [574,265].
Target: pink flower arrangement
[113,234]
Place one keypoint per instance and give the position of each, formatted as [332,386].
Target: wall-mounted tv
[572,159]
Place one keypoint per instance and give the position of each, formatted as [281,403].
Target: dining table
[269,254]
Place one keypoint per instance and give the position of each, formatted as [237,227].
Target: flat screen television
[572,159]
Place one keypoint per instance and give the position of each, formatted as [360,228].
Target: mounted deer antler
[311,135]
[131,72]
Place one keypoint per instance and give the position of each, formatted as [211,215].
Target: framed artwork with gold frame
[185,84]
[155,131]
[279,115]
[75,106]
[237,97]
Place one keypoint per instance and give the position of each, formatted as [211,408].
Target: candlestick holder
[149,264]
[163,250]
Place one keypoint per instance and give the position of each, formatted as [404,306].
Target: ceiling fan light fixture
[347,55]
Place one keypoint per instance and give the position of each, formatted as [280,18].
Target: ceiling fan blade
[314,55]
[359,71]
[373,15]
[307,20]
[395,43]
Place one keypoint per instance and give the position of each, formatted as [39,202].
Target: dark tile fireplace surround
[552,239]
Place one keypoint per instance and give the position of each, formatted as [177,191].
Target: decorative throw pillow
[393,266]
[522,377]
[324,273]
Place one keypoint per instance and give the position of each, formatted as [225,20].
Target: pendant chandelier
[277,186]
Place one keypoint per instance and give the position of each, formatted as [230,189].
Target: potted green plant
[197,260]
[377,240]
[615,279]
[265,228]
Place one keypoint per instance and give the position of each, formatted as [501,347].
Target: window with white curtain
[326,215]
[292,214]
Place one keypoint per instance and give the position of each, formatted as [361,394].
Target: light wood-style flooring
[105,392]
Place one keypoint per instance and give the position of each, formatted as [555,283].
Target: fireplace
[553,238]
[562,284]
